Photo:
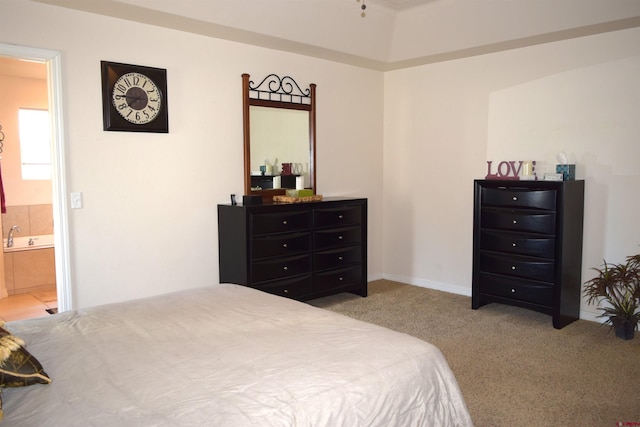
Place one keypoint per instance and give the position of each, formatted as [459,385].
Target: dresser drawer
[280,248]
[280,222]
[523,290]
[275,268]
[336,258]
[337,278]
[280,244]
[337,217]
[517,244]
[518,221]
[527,246]
[538,199]
[340,237]
[530,268]
[292,288]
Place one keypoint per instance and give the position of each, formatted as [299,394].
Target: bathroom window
[35,144]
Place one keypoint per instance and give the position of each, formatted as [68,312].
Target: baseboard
[430,284]
[461,290]
[592,317]
[371,278]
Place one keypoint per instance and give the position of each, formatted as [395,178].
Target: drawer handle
[513,267]
[285,268]
[513,291]
[341,278]
[285,222]
[286,291]
[340,216]
[514,244]
[340,237]
[340,258]
[515,198]
[284,245]
[515,221]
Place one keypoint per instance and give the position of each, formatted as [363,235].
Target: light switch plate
[76,200]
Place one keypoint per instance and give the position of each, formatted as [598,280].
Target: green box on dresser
[297,250]
[527,246]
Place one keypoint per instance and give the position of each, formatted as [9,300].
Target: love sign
[511,169]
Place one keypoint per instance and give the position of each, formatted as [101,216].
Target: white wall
[444,121]
[427,29]
[149,221]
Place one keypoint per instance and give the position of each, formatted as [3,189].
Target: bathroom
[27,267]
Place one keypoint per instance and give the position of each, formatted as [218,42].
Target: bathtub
[27,243]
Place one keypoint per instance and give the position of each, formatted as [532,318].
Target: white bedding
[228,355]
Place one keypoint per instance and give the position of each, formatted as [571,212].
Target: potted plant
[618,285]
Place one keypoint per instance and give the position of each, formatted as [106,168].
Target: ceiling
[394,34]
[399,4]
[22,68]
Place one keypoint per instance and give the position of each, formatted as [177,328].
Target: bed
[228,355]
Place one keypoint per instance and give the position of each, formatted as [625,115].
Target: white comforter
[227,355]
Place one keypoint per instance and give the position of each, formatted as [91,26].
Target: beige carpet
[513,367]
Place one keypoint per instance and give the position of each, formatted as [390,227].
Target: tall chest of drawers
[527,246]
[300,250]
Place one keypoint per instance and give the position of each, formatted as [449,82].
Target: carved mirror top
[279,135]
[274,88]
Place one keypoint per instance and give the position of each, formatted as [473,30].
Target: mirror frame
[276,92]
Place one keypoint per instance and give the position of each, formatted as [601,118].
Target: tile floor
[27,306]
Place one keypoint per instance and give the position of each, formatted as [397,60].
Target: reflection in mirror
[279,136]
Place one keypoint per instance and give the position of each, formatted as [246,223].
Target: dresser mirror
[279,121]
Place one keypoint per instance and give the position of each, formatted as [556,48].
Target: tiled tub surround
[33,220]
[29,268]
[23,243]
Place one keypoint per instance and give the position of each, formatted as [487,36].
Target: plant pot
[625,330]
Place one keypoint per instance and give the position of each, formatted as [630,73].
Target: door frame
[58,164]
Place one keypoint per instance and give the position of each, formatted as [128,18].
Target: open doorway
[54,213]
[28,285]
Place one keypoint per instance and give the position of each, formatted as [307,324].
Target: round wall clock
[134,98]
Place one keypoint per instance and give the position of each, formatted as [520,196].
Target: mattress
[228,355]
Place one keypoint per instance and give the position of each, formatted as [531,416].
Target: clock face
[136,98]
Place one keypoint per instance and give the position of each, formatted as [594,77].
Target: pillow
[18,367]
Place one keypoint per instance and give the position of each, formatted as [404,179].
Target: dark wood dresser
[527,246]
[298,250]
